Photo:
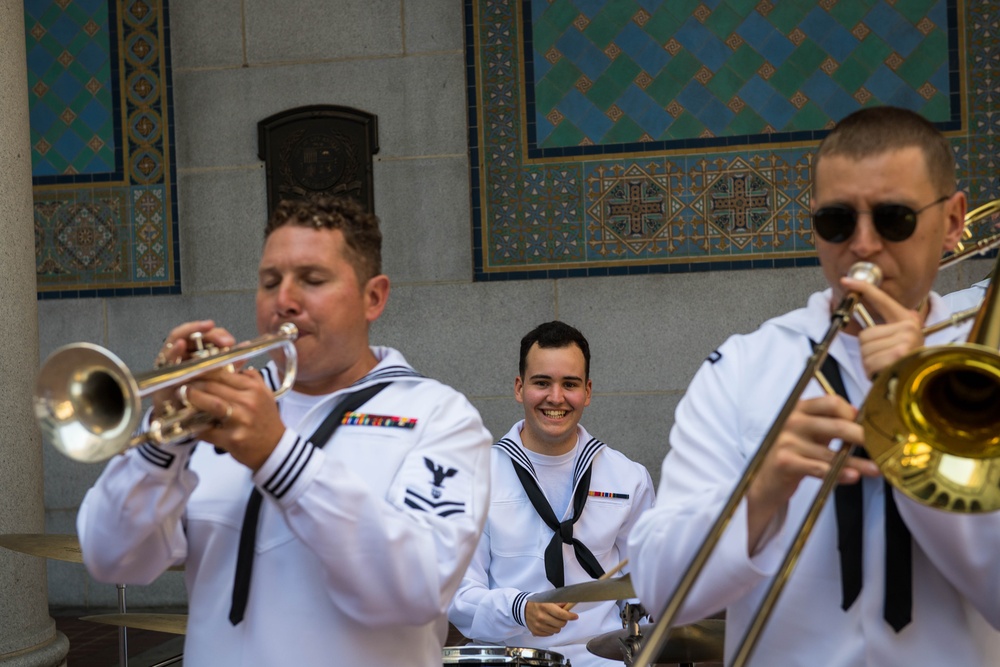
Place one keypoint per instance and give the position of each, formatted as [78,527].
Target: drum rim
[470,652]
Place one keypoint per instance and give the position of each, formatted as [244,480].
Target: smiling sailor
[562,503]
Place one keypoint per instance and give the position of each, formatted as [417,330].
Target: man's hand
[899,334]
[545,619]
[801,450]
[249,424]
[177,347]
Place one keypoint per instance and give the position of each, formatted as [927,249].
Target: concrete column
[28,634]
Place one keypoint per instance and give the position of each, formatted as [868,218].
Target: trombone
[88,404]
[932,419]
[966,384]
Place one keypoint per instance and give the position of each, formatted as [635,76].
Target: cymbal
[46,545]
[50,545]
[699,642]
[175,624]
[619,588]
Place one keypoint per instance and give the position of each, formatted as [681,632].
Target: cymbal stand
[630,645]
[631,614]
[123,637]
[632,642]
[122,630]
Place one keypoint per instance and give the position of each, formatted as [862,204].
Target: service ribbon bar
[608,494]
[365,419]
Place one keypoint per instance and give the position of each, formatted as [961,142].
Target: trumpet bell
[86,402]
[932,424]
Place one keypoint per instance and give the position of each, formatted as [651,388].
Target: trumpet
[88,404]
[933,427]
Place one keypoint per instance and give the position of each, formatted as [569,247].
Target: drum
[472,654]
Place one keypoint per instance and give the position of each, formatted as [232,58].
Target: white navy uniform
[508,564]
[970,297]
[360,546]
[721,421]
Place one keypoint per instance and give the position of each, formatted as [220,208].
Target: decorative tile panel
[636,136]
[102,148]
[69,78]
[619,72]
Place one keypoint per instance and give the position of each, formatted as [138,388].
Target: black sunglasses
[893,222]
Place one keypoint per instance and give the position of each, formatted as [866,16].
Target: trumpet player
[331,526]
[883,580]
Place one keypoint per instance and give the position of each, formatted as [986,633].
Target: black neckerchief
[850,527]
[248,534]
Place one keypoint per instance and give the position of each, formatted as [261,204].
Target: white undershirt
[852,350]
[555,478]
[294,407]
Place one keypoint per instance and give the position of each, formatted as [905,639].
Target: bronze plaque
[320,149]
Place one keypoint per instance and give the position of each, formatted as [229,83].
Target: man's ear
[954,212]
[376,295]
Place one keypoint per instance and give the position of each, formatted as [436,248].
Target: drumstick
[607,575]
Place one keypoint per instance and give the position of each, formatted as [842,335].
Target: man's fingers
[827,406]
[885,306]
[861,467]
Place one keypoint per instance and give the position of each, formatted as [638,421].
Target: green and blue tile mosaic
[636,136]
[105,199]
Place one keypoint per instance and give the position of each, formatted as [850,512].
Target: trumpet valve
[202,348]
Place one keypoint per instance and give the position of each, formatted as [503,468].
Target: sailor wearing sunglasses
[882,578]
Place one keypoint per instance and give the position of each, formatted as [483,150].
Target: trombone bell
[932,424]
[932,419]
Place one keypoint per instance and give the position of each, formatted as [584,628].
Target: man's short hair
[359,227]
[555,334]
[877,130]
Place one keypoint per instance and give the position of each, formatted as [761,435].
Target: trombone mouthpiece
[866,272]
